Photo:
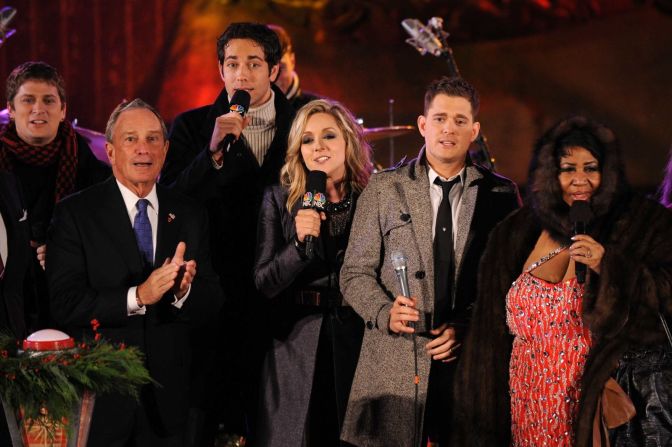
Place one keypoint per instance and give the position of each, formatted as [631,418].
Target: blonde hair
[358,166]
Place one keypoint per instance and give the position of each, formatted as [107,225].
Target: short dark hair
[34,71]
[137,103]
[452,86]
[257,32]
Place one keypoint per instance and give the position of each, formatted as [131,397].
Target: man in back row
[47,157]
[230,183]
[288,79]
[436,210]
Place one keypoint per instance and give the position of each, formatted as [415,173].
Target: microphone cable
[400,268]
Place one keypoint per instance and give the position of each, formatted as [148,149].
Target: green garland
[56,380]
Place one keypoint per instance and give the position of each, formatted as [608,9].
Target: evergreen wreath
[56,380]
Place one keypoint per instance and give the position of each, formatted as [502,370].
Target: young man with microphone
[436,212]
[225,160]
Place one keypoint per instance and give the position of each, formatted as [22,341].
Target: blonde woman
[309,368]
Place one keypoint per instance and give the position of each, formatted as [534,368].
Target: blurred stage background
[533,61]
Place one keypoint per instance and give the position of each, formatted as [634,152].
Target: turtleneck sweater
[260,131]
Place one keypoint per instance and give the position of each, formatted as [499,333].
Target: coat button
[420,274]
[369,324]
[405,217]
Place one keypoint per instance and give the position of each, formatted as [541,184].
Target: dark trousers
[120,421]
[5,438]
[438,410]
[335,364]
[226,366]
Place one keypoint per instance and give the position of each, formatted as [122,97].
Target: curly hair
[544,191]
[358,166]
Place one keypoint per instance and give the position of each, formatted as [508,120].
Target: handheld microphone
[401,269]
[314,199]
[580,216]
[240,102]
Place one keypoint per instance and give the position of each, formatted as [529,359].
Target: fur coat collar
[545,195]
[620,308]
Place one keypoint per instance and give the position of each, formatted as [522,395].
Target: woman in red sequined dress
[542,344]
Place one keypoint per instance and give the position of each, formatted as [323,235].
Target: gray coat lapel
[416,192]
[468,206]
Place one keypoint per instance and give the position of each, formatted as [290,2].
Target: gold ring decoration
[589,254]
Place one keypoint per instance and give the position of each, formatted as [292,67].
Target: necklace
[339,206]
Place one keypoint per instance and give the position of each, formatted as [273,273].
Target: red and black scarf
[62,151]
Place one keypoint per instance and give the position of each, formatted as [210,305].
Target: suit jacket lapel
[117,225]
[168,227]
[10,206]
[468,206]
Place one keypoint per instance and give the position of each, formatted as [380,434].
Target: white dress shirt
[130,200]
[436,195]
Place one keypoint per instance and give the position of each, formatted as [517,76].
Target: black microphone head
[316,185]
[580,212]
[240,102]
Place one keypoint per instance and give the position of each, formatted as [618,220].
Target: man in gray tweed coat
[401,395]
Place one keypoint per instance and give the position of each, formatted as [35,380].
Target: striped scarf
[62,151]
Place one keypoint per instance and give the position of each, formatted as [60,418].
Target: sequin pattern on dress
[550,348]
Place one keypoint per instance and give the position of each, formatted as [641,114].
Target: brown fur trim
[621,308]
[545,194]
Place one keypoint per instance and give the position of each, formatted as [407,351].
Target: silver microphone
[400,268]
[422,38]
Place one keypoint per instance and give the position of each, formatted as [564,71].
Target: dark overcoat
[230,351]
[18,305]
[232,195]
[290,364]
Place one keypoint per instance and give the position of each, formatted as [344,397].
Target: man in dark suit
[231,184]
[18,306]
[438,211]
[125,252]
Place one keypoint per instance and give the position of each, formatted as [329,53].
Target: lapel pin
[171,217]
